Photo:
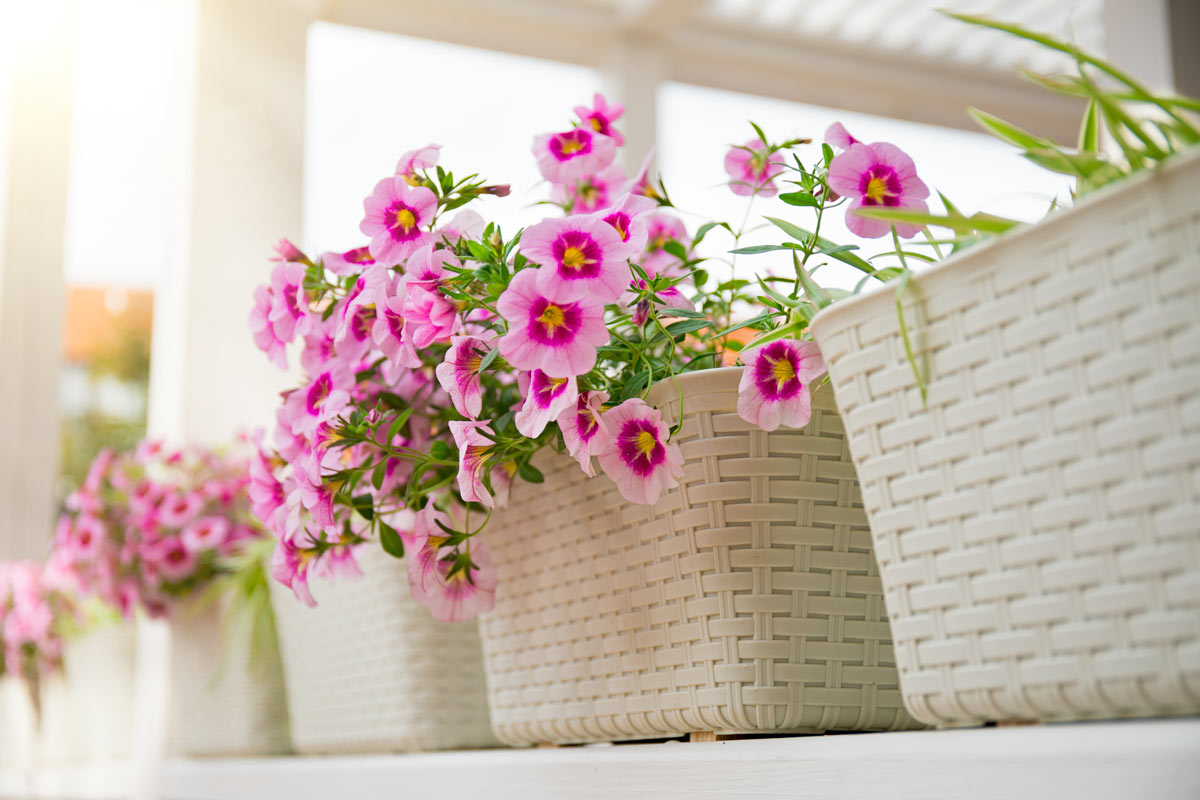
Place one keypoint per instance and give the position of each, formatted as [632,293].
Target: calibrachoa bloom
[878,174]
[639,458]
[776,384]
[396,215]
[556,337]
[547,398]
[161,523]
[459,373]
[601,117]
[581,256]
[584,430]
[440,361]
[752,170]
[35,602]
[570,155]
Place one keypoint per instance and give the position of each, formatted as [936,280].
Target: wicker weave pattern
[368,670]
[1038,523]
[220,705]
[747,600]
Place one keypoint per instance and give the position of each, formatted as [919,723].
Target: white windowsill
[1148,759]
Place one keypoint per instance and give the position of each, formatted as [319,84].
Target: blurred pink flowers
[752,170]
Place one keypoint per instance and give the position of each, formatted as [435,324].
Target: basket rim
[1113,194]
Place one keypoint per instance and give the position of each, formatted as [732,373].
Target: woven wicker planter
[221,704]
[746,601]
[368,670]
[1037,523]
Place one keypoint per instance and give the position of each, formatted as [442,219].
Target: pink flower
[662,229]
[556,337]
[591,192]
[349,262]
[639,459]
[388,332]
[263,331]
[466,223]
[286,251]
[837,136]
[584,430]
[395,214]
[568,156]
[314,495]
[171,558]
[423,158]
[459,373]
[751,170]
[641,184]
[322,399]
[580,256]
[626,216]
[671,298]
[206,533]
[180,508]
[87,538]
[878,174]
[288,315]
[289,566]
[474,452]
[775,383]
[454,586]
[601,116]
[547,399]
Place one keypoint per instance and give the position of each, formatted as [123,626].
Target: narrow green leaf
[799,199]
[531,473]
[1007,131]
[379,474]
[490,357]
[398,423]
[687,326]
[986,223]
[364,505]
[1089,130]
[393,545]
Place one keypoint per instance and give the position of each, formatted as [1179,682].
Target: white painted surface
[1152,759]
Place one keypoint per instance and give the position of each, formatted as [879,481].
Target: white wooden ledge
[1157,759]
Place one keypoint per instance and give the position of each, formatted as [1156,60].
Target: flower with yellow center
[782,371]
[877,190]
[571,146]
[405,220]
[645,443]
[575,258]
[552,318]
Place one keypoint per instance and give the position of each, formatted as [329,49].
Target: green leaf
[985,223]
[393,545]
[699,278]
[378,474]
[782,332]
[1007,131]
[799,199]
[397,424]
[703,230]
[440,450]
[676,249]
[530,473]
[633,386]
[487,360]
[901,289]
[759,248]
[762,137]
[1089,130]
[364,505]
[755,320]
[802,235]
[687,326]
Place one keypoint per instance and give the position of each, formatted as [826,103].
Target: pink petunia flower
[641,184]
[286,251]
[878,174]
[349,262]
[627,216]
[601,116]
[288,315]
[466,223]
[584,430]
[395,215]
[837,136]
[422,158]
[289,566]
[322,399]
[775,383]
[570,155]
[556,337]
[639,459]
[206,533]
[580,256]
[546,399]
[751,170]
[474,452]
[671,297]
[263,331]
[454,586]
[662,229]
[591,192]
[87,538]
[179,508]
[171,558]
[459,373]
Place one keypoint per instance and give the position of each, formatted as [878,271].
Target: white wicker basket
[1037,523]
[368,670]
[745,601]
[220,703]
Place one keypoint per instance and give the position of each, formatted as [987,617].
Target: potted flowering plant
[541,423]
[170,533]
[1022,414]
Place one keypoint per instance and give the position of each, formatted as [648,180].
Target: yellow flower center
[877,190]
[405,220]
[553,318]
[412,179]
[597,125]
[474,362]
[782,371]
[645,443]
[571,146]
[574,258]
